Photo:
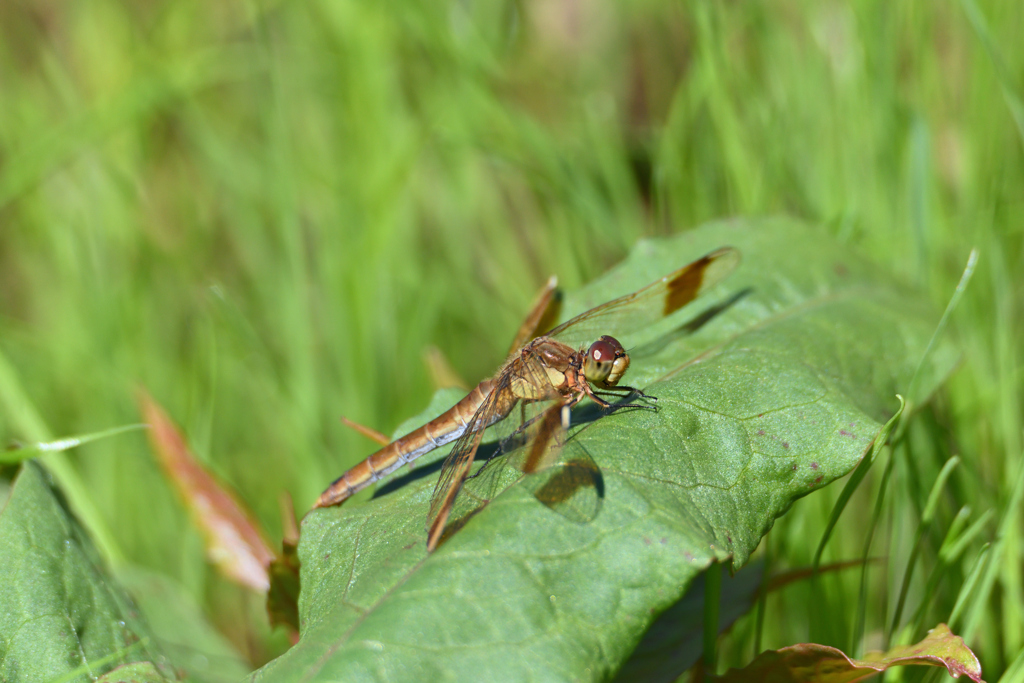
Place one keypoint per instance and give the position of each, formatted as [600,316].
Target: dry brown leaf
[234,542]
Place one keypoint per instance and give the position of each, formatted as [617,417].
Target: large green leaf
[61,617]
[770,387]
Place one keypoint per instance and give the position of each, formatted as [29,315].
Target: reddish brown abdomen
[440,431]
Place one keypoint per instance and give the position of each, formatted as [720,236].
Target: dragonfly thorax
[606,362]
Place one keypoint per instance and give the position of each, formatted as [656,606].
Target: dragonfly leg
[513,440]
[525,424]
[368,432]
[529,423]
[630,391]
[594,396]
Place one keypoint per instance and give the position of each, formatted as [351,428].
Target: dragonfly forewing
[645,307]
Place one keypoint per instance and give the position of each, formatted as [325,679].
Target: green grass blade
[967,589]
[853,483]
[1015,672]
[1012,98]
[712,600]
[954,300]
[28,421]
[925,522]
[23,452]
[977,611]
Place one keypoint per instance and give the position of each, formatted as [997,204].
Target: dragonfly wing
[458,463]
[542,316]
[450,505]
[507,467]
[564,476]
[647,306]
[560,474]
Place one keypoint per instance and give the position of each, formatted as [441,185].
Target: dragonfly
[544,376]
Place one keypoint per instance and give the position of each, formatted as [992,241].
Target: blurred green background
[265,213]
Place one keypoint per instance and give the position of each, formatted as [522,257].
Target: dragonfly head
[606,362]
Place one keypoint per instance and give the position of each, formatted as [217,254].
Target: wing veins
[455,471]
[641,308]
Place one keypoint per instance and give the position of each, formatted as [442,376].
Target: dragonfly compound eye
[606,361]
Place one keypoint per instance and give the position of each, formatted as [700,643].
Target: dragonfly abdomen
[442,430]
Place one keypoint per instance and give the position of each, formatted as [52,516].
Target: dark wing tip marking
[688,283]
[683,288]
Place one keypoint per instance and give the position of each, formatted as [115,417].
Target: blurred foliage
[264,213]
